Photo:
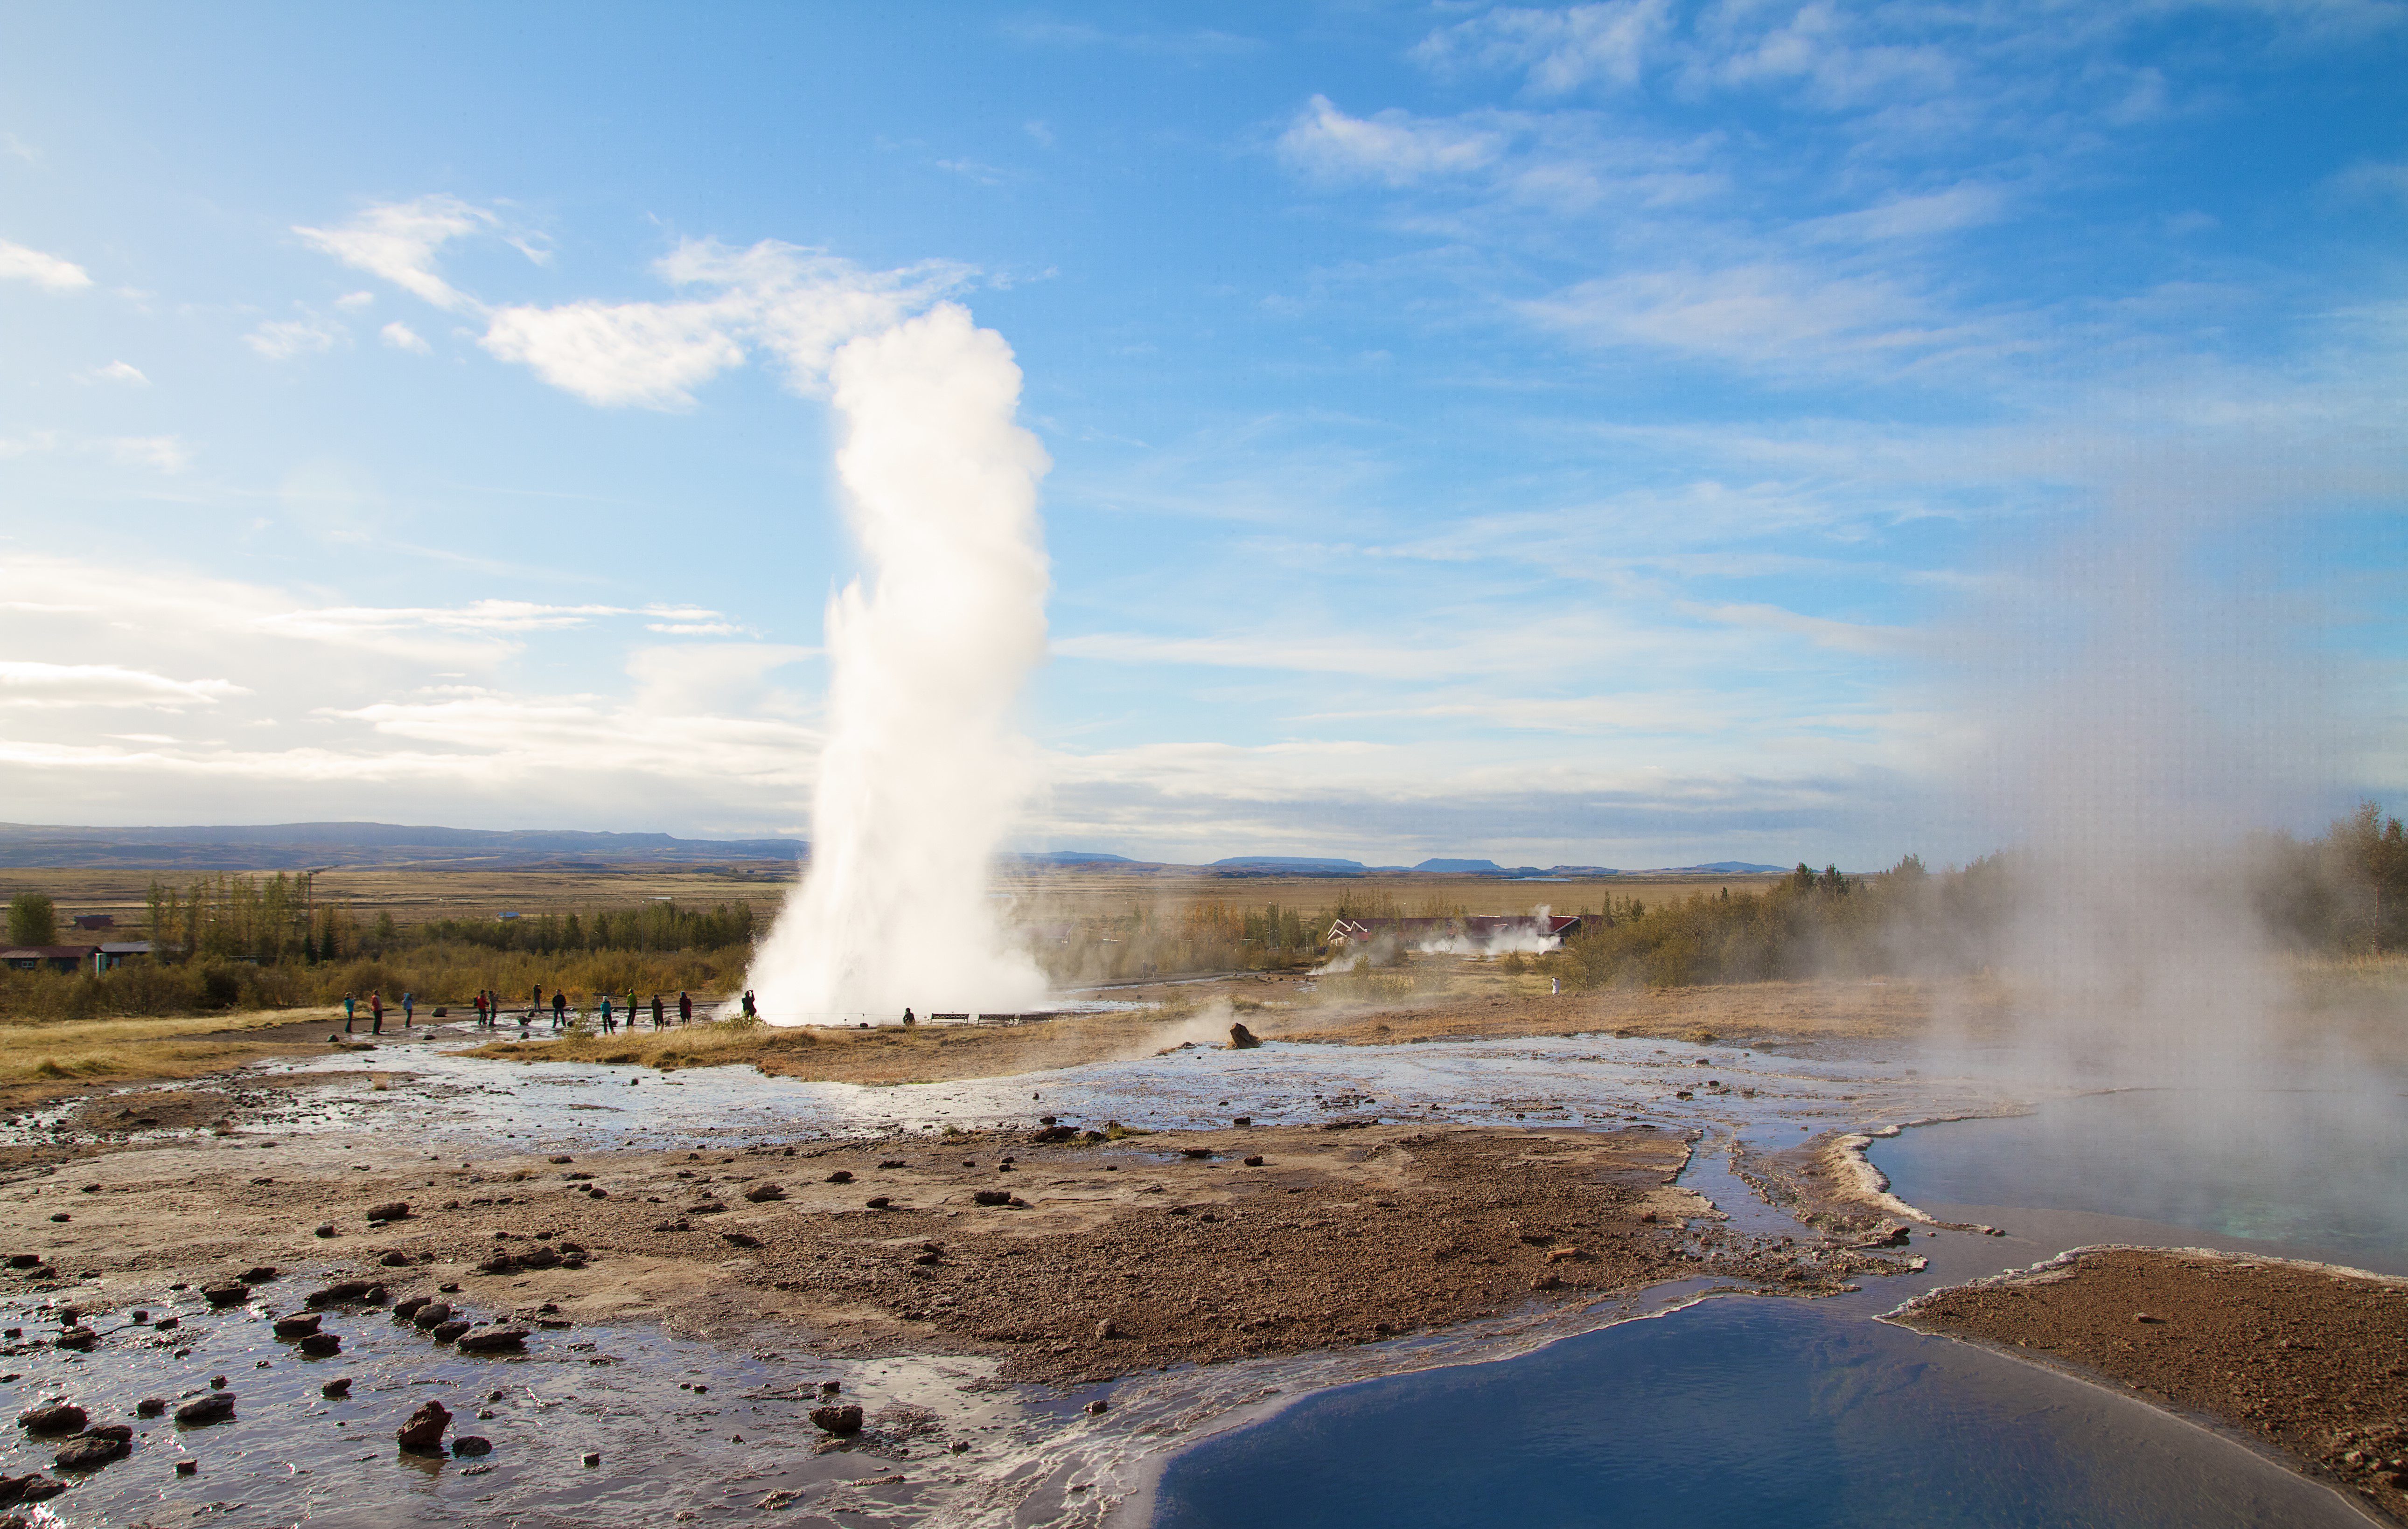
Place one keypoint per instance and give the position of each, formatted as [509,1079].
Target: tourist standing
[376,1011]
[559,1009]
[409,1009]
[685,1008]
[657,1014]
[750,1012]
[480,1009]
[350,1007]
[606,1014]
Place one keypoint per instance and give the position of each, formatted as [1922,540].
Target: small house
[57,958]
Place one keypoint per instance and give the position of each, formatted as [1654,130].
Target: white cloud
[19,264]
[1391,147]
[116,371]
[353,300]
[26,683]
[797,303]
[1561,49]
[402,337]
[1770,313]
[159,453]
[1967,206]
[399,241]
[283,340]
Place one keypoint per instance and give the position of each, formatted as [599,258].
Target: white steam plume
[923,770]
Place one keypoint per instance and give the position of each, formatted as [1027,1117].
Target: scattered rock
[424,1432]
[450,1331]
[841,1175]
[337,1390]
[1107,1330]
[991,1196]
[877,1202]
[764,1194]
[325,1229]
[230,1294]
[339,1292]
[32,1488]
[79,1338]
[1096,1408]
[396,1260]
[1196,1152]
[593,1457]
[151,1407]
[297,1327]
[741,1239]
[57,1418]
[560,1158]
[391,1210]
[494,1340]
[320,1345]
[1253,1161]
[472,1444]
[96,1449]
[1242,1120]
[409,1305]
[842,1421]
[432,1314]
[1241,1038]
[259,1274]
[187,1467]
[200,1411]
[24,1261]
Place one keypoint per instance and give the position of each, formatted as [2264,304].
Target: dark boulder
[96,1449]
[232,1293]
[842,1421]
[493,1340]
[200,1411]
[472,1444]
[339,1292]
[391,1210]
[297,1327]
[151,1407]
[432,1314]
[32,1488]
[337,1390]
[1241,1038]
[991,1196]
[320,1345]
[764,1194]
[259,1274]
[424,1432]
[57,1418]
[447,1332]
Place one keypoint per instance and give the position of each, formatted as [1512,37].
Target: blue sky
[1627,433]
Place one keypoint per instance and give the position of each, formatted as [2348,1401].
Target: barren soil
[2310,1359]
[1117,1256]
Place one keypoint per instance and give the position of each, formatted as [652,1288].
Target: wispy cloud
[27,683]
[20,264]
[402,337]
[400,240]
[122,372]
[283,340]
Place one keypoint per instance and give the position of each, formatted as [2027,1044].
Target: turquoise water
[2320,1170]
[1736,1411]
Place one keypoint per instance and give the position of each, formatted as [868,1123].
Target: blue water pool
[1739,1411]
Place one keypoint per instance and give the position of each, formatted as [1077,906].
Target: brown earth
[2310,1359]
[1122,1255]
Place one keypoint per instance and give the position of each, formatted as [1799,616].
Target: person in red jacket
[376,1011]
[685,1009]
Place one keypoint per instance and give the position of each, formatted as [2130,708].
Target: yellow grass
[39,1059]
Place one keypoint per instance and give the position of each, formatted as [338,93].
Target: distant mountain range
[299,846]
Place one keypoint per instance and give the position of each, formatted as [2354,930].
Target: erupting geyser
[924,771]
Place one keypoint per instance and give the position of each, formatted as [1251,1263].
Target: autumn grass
[47,1060]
